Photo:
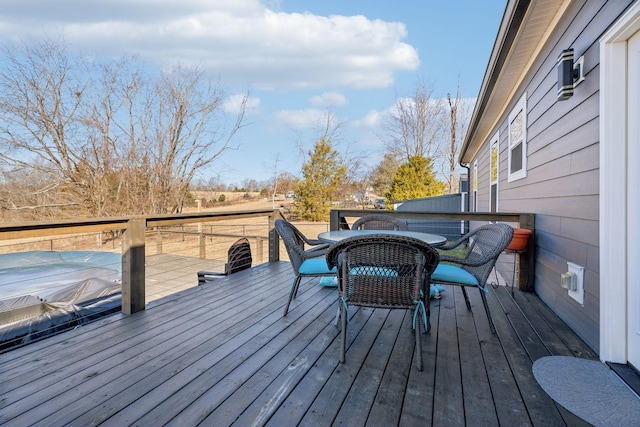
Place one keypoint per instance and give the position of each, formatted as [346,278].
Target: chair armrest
[313,242]
[463,261]
[317,251]
[453,245]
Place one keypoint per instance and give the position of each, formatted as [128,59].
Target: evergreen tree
[322,175]
[415,180]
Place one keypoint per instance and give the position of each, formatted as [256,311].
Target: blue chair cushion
[451,273]
[315,266]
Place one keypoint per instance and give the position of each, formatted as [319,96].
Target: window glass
[518,140]
[494,162]
[475,186]
[494,172]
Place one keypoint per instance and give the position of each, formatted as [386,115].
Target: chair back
[293,242]
[380,270]
[238,256]
[485,244]
[380,222]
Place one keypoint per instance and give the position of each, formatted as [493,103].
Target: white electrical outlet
[578,293]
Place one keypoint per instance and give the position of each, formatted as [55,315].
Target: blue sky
[298,59]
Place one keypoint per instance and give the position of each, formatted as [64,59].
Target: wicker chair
[384,271]
[305,263]
[484,246]
[238,259]
[379,222]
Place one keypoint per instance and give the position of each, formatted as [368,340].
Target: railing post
[202,240]
[334,220]
[526,276]
[133,271]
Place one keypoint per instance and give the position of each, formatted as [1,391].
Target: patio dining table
[335,236]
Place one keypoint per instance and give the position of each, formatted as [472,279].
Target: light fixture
[570,74]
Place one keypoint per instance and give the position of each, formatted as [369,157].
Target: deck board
[222,354]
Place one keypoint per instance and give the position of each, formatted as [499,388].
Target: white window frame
[494,141]
[521,138]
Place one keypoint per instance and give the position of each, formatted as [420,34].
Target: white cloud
[328,99]
[242,40]
[234,102]
[371,121]
[300,119]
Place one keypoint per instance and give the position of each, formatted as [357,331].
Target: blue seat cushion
[315,266]
[451,273]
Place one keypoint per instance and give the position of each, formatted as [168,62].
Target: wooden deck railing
[134,229]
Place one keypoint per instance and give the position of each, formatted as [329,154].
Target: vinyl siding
[562,182]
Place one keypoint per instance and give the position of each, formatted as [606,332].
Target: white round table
[337,235]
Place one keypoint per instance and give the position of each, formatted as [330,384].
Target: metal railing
[133,231]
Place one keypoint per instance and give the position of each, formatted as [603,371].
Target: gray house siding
[562,182]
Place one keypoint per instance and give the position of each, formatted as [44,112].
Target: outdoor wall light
[570,74]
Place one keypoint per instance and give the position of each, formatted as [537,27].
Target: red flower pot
[520,239]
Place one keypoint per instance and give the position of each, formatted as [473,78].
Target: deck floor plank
[197,381]
[71,367]
[166,353]
[325,407]
[417,408]
[222,354]
[387,405]
[276,380]
[540,407]
[448,398]
[357,404]
[512,410]
[254,359]
[304,395]
[478,405]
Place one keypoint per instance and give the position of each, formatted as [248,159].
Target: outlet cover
[578,294]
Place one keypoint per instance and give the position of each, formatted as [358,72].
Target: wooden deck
[222,354]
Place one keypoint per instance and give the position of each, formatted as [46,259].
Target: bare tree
[186,134]
[110,137]
[41,90]
[413,128]
[456,123]
[275,181]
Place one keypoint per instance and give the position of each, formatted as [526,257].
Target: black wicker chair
[384,271]
[238,258]
[379,222]
[305,262]
[484,246]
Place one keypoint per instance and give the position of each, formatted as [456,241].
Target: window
[493,175]
[475,186]
[518,140]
